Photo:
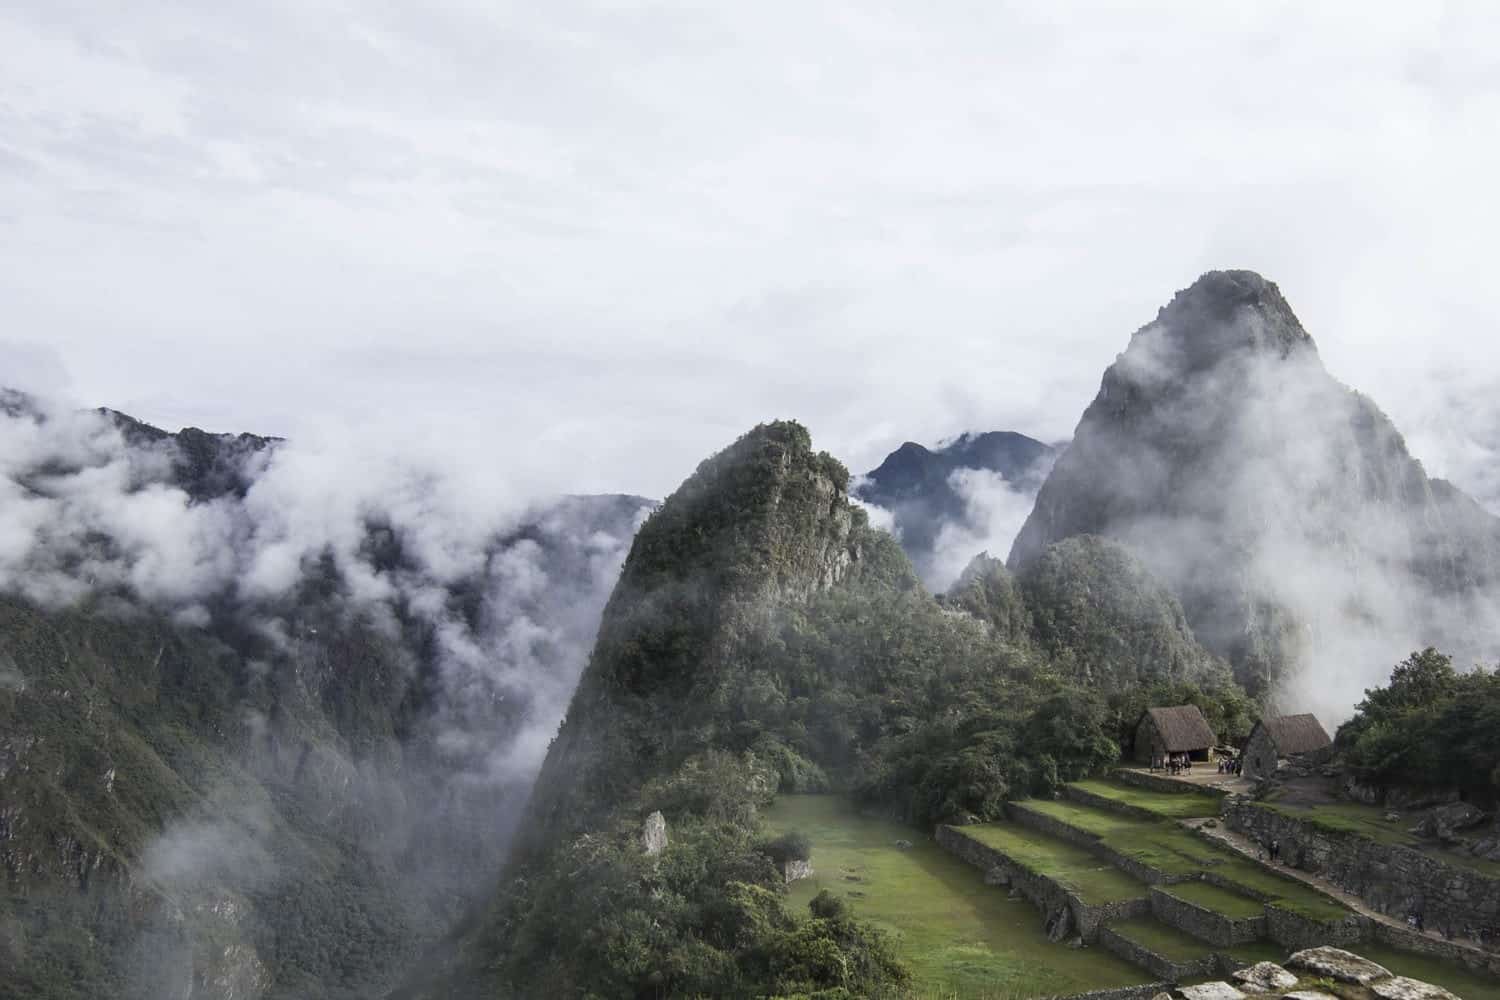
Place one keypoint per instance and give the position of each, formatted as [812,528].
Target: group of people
[1230,765]
[1172,763]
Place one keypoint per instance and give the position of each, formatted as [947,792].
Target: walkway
[1202,775]
[1242,844]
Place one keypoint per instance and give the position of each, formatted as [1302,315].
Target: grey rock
[1336,963]
[1264,977]
[1212,991]
[793,871]
[903,845]
[1308,995]
[1402,988]
[654,834]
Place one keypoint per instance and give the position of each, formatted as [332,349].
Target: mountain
[939,498]
[1308,547]
[763,638]
[213,790]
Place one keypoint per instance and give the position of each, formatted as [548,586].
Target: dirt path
[1244,845]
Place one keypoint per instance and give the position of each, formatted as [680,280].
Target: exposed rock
[1338,964]
[654,834]
[1445,821]
[996,876]
[1308,995]
[1393,817]
[903,845]
[1212,991]
[1076,943]
[794,870]
[1264,977]
[1402,988]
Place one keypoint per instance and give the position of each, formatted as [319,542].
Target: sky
[589,244]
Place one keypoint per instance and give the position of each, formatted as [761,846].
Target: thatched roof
[1182,727]
[1295,734]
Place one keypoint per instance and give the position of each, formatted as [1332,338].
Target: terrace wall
[1153,962]
[1046,894]
[1407,940]
[1162,783]
[1143,992]
[1087,798]
[1042,823]
[1204,924]
[1295,932]
[1391,879]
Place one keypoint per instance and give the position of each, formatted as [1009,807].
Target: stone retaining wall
[1205,924]
[1394,880]
[1088,798]
[1160,783]
[1295,932]
[1045,893]
[1042,823]
[1406,940]
[1156,964]
[1143,992]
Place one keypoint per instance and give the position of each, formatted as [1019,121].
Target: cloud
[589,228]
[994,510]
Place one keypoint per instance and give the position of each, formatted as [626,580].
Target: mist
[1282,507]
[482,599]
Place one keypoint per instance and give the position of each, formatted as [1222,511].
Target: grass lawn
[1172,805]
[1370,822]
[1169,942]
[1097,882]
[961,938]
[1211,897]
[1451,976]
[1168,847]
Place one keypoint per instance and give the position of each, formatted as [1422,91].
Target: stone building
[1276,738]
[1181,729]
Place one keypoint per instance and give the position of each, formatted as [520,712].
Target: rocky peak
[1281,507]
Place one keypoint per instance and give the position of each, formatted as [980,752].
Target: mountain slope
[213,791]
[1284,509]
[762,638]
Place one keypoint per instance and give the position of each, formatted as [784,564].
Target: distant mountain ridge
[247,793]
[918,486]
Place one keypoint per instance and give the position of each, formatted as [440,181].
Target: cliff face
[1283,508]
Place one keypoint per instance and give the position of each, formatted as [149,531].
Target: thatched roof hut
[1179,729]
[1275,738]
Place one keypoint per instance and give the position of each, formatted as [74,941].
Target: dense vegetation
[763,638]
[1430,726]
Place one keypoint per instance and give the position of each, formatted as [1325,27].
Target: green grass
[1370,822]
[1220,901]
[1170,805]
[961,938]
[1095,881]
[1450,975]
[1169,848]
[1169,942]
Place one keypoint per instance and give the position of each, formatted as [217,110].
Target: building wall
[1260,754]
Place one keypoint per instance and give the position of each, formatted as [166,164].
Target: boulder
[1401,988]
[1212,991]
[794,870]
[1264,977]
[903,845]
[1336,963]
[1308,995]
[654,834]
